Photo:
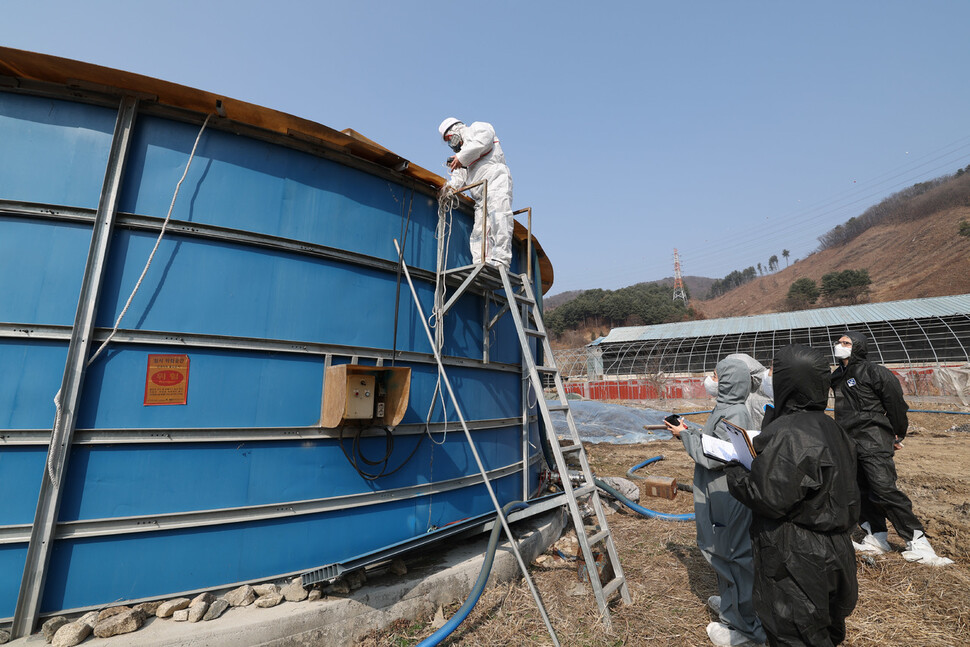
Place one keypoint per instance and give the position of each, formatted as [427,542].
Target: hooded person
[869,405]
[804,500]
[761,394]
[722,522]
[478,156]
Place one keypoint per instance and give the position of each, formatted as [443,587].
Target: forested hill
[601,310]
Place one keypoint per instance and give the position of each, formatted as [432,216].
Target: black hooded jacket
[869,401]
[804,498]
[805,470]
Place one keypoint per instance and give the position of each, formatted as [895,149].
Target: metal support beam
[51,489]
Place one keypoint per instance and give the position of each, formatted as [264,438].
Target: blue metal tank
[278,263]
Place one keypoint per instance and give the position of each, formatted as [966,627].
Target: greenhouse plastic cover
[599,422]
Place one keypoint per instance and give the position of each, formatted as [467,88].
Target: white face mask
[842,352]
[710,386]
[767,387]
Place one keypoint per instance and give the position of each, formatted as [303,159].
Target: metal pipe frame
[49,500]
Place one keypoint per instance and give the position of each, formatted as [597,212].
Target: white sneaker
[919,550]
[723,636]
[714,602]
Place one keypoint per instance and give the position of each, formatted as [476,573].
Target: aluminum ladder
[522,305]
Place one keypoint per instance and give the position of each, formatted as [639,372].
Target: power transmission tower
[679,292]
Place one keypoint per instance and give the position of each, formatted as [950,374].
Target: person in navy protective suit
[804,500]
[722,521]
[869,405]
[478,156]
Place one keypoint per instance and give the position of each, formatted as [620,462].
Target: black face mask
[454,142]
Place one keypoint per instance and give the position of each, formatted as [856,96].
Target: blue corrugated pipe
[476,591]
[646,512]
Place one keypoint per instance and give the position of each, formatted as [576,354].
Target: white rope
[158,241]
[52,450]
[447,201]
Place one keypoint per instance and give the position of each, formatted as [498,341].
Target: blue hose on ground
[646,512]
[686,487]
[476,591]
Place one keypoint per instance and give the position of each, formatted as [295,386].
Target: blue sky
[728,130]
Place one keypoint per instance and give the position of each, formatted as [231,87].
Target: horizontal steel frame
[24,437]
[17,534]
[222,342]
[211,232]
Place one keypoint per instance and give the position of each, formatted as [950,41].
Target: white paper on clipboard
[740,441]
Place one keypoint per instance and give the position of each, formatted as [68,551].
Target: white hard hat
[446,124]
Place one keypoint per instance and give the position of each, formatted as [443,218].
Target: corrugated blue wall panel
[12,560]
[216,288]
[142,563]
[248,389]
[21,469]
[41,265]
[54,152]
[131,480]
[261,187]
[31,375]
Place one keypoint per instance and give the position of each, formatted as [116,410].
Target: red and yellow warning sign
[167,381]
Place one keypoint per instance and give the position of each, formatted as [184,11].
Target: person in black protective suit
[804,500]
[869,405]
[722,522]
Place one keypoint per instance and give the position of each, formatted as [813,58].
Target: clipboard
[740,440]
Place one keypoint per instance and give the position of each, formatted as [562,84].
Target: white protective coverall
[482,158]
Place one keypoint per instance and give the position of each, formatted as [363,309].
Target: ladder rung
[546,369]
[557,407]
[583,491]
[598,537]
[612,586]
[526,300]
[534,333]
[566,449]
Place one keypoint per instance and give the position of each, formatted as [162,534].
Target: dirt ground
[900,603]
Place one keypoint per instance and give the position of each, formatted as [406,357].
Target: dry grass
[900,603]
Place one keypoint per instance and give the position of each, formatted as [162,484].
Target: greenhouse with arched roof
[925,342]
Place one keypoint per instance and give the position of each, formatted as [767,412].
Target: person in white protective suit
[478,156]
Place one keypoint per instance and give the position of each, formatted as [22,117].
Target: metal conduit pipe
[476,591]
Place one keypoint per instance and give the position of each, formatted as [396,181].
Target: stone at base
[241,597]
[314,594]
[52,625]
[112,611]
[268,601]
[4,636]
[120,623]
[167,609]
[216,609]
[294,591]
[398,567]
[73,633]
[356,580]
[265,589]
[149,608]
[197,610]
[181,615]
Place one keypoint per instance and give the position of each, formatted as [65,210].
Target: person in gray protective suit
[760,383]
[723,522]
